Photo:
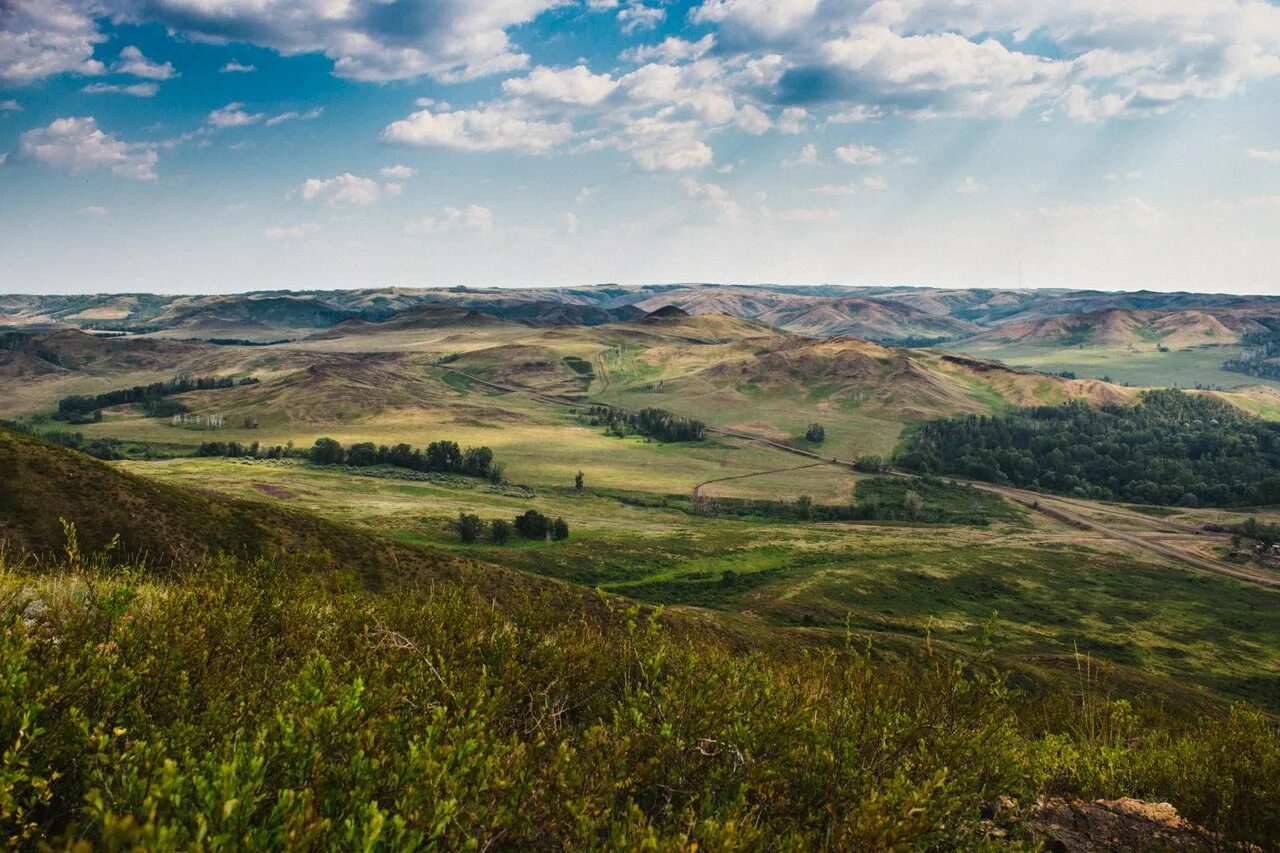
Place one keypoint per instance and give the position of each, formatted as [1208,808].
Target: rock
[1113,825]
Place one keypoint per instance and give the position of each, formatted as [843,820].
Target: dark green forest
[79,408]
[1170,448]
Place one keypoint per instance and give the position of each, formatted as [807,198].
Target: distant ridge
[665,313]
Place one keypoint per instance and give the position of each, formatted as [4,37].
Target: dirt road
[697,490]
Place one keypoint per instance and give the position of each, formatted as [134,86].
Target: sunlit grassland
[781,416]
[1185,368]
[1050,595]
[537,443]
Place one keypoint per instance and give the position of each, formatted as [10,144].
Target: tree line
[653,423]
[82,408]
[1258,359]
[1169,448]
[530,524]
[444,457]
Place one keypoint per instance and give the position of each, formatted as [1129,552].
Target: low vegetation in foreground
[278,703]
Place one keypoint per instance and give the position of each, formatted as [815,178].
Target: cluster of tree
[1261,358]
[529,525]
[917,341]
[444,457]
[1169,448]
[80,408]
[1263,532]
[815,434]
[240,342]
[653,423]
[252,450]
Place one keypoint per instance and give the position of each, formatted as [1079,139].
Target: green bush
[278,704]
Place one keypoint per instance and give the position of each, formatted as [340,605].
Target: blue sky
[224,145]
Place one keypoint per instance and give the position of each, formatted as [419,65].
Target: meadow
[1046,595]
[1146,368]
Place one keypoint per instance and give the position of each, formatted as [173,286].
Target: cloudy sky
[218,145]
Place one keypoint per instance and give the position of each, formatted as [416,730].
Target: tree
[362,454]
[326,451]
[444,456]
[532,525]
[500,531]
[477,461]
[804,505]
[559,530]
[912,505]
[577,481]
[469,527]
[815,434]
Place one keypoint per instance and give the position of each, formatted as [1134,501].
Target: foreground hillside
[269,704]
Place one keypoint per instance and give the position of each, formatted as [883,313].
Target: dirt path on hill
[602,372]
[697,490]
[1032,500]
[1038,503]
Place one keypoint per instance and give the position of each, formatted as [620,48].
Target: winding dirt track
[697,490]
[1037,503]
[1032,500]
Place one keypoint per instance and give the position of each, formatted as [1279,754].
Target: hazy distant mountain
[883,314]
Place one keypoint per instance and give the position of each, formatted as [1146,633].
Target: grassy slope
[41,484]
[892,582]
[1148,367]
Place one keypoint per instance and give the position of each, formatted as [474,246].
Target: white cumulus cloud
[41,38]
[345,189]
[575,85]
[493,127]
[860,155]
[472,218]
[397,172]
[137,90]
[233,115]
[77,145]
[370,40]
[133,63]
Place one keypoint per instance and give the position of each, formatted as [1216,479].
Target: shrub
[559,530]
[469,527]
[283,703]
[912,505]
[532,525]
[499,531]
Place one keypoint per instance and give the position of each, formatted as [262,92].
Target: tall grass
[279,704]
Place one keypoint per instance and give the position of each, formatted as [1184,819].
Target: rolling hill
[42,484]
[1126,328]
